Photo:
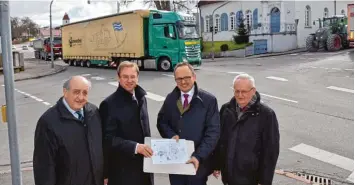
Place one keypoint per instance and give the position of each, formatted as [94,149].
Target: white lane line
[284,99]
[325,156]
[97,78]
[232,72]
[349,69]
[341,89]
[46,103]
[351,177]
[85,74]
[336,68]
[275,97]
[313,67]
[149,95]
[155,96]
[294,54]
[168,75]
[277,78]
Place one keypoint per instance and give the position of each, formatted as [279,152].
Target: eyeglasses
[186,78]
[237,92]
[126,77]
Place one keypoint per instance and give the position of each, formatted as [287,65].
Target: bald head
[75,91]
[76,80]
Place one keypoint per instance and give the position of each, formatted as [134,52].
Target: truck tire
[334,42]
[88,63]
[309,44]
[164,64]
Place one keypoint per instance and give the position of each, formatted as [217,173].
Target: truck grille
[193,51]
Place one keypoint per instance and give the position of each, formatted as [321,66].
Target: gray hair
[66,84]
[245,76]
[184,63]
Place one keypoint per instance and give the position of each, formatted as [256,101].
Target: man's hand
[105,181]
[176,137]
[194,161]
[216,173]
[145,150]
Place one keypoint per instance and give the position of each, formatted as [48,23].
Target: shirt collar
[190,93]
[71,110]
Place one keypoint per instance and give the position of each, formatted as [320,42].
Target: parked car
[24,47]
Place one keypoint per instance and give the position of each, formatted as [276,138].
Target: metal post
[335,7]
[213,28]
[9,91]
[51,34]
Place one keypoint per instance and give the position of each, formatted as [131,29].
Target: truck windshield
[187,31]
[57,40]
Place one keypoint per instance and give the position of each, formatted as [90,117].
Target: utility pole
[9,91]
[51,34]
[335,7]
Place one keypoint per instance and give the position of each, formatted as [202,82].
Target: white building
[274,25]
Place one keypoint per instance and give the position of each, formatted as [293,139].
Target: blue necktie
[80,116]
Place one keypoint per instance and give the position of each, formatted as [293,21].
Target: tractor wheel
[334,42]
[309,44]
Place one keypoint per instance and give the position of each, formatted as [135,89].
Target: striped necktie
[80,116]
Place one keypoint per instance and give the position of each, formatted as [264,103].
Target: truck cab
[172,38]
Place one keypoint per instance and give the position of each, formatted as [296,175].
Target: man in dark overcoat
[125,121]
[191,113]
[68,139]
[249,146]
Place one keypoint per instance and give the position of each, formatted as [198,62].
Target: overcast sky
[76,9]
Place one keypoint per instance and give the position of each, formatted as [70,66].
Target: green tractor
[331,35]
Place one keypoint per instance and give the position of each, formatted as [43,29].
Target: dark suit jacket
[122,133]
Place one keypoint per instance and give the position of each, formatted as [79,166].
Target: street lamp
[213,28]
[51,34]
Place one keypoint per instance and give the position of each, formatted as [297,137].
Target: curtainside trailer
[153,39]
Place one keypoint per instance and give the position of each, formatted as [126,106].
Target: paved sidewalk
[160,179]
[255,56]
[35,68]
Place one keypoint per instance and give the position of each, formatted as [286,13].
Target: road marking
[233,72]
[97,78]
[336,68]
[313,67]
[277,78]
[349,69]
[341,89]
[155,96]
[85,75]
[284,99]
[327,157]
[46,103]
[149,95]
[168,75]
[294,54]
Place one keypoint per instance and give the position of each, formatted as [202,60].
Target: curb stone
[60,68]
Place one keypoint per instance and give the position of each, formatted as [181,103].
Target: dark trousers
[188,179]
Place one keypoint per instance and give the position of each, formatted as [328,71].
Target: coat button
[84,125]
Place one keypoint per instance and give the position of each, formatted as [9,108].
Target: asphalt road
[311,93]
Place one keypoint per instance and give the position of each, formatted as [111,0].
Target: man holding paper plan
[125,122]
[191,113]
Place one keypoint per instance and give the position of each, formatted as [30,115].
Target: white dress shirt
[190,93]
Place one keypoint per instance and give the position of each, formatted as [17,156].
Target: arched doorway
[275,20]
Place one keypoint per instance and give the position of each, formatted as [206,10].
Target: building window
[218,23]
[232,21]
[255,18]
[224,22]
[326,12]
[207,22]
[248,20]
[342,12]
[308,16]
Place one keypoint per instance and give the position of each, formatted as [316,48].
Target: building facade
[280,25]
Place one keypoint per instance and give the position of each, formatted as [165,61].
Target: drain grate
[316,180]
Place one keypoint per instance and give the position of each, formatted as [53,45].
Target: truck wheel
[88,63]
[164,64]
[83,63]
[334,42]
[309,44]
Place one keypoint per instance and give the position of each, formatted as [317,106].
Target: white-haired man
[248,149]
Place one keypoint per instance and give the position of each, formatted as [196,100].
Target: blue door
[275,20]
[260,46]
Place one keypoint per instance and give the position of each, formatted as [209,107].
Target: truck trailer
[42,48]
[351,24]
[153,39]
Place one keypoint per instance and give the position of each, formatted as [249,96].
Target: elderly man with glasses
[248,149]
[191,113]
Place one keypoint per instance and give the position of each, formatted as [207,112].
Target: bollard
[22,62]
